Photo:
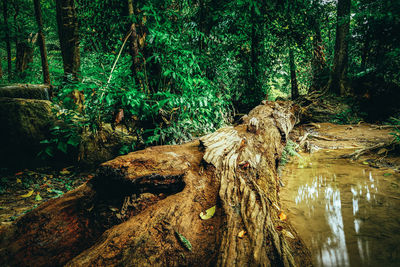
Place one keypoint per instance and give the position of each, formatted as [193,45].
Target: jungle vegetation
[174,69]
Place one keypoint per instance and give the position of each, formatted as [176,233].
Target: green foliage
[65,136]
[289,151]
[396,133]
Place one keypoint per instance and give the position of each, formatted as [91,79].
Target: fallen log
[142,209]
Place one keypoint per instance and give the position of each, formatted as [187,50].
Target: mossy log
[142,209]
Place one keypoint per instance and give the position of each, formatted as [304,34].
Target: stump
[142,209]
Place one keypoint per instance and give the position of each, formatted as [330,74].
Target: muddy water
[347,213]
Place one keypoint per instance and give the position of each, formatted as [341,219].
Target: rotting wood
[233,168]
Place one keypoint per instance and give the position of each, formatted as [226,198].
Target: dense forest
[84,81]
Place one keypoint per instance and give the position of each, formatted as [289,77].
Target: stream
[348,213]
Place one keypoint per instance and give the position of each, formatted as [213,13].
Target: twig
[119,54]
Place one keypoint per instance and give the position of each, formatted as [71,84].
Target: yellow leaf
[19,180]
[65,172]
[28,194]
[365,163]
[209,213]
[241,234]
[282,216]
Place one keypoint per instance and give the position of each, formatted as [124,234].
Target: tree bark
[338,77]
[1,68]
[318,62]
[293,78]
[142,208]
[42,42]
[7,38]
[68,33]
[134,44]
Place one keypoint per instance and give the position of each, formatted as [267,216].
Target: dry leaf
[282,216]
[65,172]
[28,194]
[19,173]
[382,150]
[241,234]
[287,234]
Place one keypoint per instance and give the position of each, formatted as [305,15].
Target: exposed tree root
[143,209]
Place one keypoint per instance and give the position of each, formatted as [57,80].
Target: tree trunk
[320,73]
[42,42]
[7,38]
[68,33]
[293,79]
[134,45]
[338,77]
[1,68]
[24,55]
[143,209]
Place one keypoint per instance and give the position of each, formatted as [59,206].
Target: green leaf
[387,174]
[62,147]
[208,214]
[186,243]
[38,197]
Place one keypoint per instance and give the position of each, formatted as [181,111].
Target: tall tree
[1,68]
[320,71]
[293,78]
[42,42]
[338,79]
[68,33]
[7,37]
[134,40]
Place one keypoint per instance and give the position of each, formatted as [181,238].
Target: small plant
[289,151]
[63,138]
[396,133]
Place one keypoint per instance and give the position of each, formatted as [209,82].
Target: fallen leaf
[387,174]
[19,181]
[241,234]
[382,150]
[186,243]
[287,234]
[209,213]
[365,163]
[38,197]
[28,194]
[282,216]
[90,176]
[19,173]
[65,172]
[279,228]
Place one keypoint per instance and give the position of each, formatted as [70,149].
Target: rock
[27,91]
[24,123]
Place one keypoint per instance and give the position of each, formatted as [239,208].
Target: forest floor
[24,190]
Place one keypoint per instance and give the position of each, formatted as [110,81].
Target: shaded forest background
[171,70]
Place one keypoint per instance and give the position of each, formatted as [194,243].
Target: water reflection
[348,214]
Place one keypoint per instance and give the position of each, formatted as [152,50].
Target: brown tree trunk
[338,79]
[42,42]
[1,68]
[7,38]
[143,209]
[318,62]
[24,55]
[134,42]
[293,78]
[68,33]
